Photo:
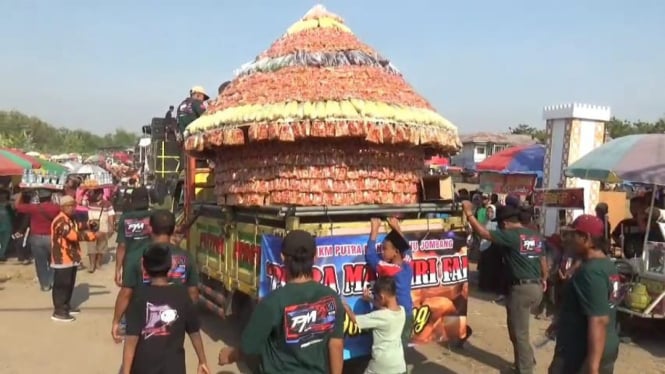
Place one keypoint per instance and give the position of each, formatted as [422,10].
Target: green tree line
[18,130]
[616,128]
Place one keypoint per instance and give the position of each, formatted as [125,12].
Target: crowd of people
[569,277]
[158,284]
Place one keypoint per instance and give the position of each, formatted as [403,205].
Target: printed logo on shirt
[310,323]
[158,318]
[616,293]
[137,228]
[531,246]
[177,274]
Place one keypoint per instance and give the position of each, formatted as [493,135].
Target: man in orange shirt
[66,235]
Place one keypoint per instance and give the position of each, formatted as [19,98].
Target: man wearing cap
[66,235]
[191,108]
[586,339]
[299,327]
[523,252]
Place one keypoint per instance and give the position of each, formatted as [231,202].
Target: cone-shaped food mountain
[319,81]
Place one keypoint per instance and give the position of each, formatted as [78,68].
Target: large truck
[237,254]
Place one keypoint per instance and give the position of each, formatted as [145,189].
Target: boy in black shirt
[157,320]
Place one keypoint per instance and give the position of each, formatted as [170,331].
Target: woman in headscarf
[490,264]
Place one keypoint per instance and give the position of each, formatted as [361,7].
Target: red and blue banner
[439,285]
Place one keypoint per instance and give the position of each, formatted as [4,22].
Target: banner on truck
[439,285]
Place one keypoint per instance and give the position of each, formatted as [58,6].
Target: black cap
[507,211]
[398,241]
[299,244]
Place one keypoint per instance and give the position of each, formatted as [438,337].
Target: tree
[524,129]
[616,128]
[18,130]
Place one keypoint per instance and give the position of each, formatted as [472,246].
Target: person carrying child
[395,261]
[157,320]
[386,323]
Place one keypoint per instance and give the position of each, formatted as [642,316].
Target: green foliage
[18,130]
[616,128]
[523,129]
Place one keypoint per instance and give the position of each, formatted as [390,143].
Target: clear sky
[484,64]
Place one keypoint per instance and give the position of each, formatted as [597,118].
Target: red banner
[565,198]
[520,184]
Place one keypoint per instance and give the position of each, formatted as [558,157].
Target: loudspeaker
[163,129]
[158,129]
[166,156]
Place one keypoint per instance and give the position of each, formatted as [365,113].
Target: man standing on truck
[523,253]
[191,108]
[280,330]
[183,269]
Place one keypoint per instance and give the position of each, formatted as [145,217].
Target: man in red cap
[587,340]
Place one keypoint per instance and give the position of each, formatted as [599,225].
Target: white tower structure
[573,130]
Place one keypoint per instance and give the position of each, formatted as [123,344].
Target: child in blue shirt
[395,262]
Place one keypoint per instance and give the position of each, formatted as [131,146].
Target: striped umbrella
[633,158]
[11,166]
[42,165]
[26,162]
[528,159]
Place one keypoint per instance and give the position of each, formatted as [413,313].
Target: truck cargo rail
[318,211]
[287,216]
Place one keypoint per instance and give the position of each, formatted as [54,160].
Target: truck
[237,254]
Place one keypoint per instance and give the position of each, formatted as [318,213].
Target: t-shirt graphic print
[158,318]
[309,323]
[531,246]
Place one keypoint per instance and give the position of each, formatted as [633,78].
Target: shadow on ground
[83,291]
[648,334]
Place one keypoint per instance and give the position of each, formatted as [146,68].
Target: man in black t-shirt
[157,320]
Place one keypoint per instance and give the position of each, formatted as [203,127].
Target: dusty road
[32,343]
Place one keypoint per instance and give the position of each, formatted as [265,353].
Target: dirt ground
[35,344]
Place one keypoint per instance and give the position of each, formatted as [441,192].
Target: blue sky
[484,64]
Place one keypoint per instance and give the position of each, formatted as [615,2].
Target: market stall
[515,170]
[640,159]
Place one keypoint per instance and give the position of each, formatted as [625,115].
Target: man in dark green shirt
[133,227]
[587,340]
[523,253]
[183,270]
[298,328]
[192,107]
